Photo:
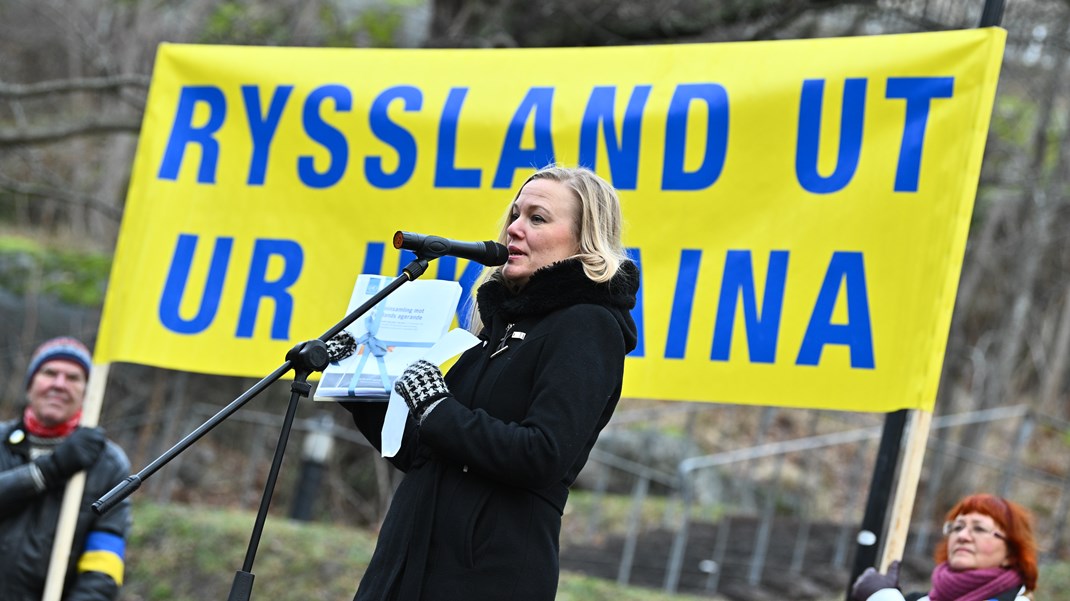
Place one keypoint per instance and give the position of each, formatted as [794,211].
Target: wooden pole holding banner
[72,496]
[906,488]
[899,459]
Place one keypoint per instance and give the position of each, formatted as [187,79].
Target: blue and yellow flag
[799,209]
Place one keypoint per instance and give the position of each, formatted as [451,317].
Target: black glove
[870,581]
[421,384]
[79,451]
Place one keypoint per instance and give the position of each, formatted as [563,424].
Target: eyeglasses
[976,530]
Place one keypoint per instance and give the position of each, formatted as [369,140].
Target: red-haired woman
[988,554]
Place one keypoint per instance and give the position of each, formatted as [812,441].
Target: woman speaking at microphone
[491,448]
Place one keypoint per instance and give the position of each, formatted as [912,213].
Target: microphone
[432,247]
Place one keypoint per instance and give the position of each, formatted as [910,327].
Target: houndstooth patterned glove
[422,387]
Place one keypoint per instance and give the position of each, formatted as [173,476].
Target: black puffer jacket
[478,514]
[28,526]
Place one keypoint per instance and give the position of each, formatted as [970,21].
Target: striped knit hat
[64,347]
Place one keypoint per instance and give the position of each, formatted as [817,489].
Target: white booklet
[397,331]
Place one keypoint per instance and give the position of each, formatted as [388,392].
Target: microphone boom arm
[303,358]
[412,271]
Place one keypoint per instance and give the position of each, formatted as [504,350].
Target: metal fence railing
[845,456]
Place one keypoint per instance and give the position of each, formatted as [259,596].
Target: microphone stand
[304,358]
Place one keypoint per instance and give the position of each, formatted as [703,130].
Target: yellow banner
[799,209]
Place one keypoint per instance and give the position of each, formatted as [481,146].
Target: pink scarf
[35,427]
[971,585]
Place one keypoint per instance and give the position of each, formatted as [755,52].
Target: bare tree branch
[66,86]
[44,134]
[61,195]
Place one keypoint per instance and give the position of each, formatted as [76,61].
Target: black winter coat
[478,513]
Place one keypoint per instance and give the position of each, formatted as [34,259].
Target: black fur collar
[556,286]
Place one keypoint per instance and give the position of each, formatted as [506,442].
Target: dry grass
[184,553]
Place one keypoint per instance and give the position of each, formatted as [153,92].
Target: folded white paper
[455,342]
[393,334]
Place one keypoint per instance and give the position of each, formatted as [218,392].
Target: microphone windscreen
[499,251]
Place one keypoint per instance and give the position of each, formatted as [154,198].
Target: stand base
[242,589]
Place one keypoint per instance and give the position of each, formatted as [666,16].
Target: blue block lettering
[762,328]
[809,140]
[918,92]
[404,258]
[394,136]
[674,177]
[637,310]
[331,139]
[373,258]
[537,102]
[447,268]
[467,281]
[262,127]
[622,155]
[682,301]
[184,133]
[857,333]
[178,277]
[259,287]
[447,175]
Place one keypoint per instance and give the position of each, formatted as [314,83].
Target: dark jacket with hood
[478,513]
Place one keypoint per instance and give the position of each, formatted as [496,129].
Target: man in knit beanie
[55,399]
[39,453]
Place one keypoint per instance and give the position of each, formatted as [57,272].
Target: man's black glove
[79,451]
[421,385]
[870,581]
